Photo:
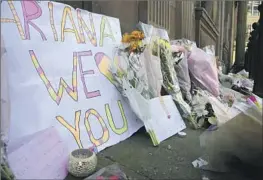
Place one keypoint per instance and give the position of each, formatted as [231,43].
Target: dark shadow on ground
[172,159]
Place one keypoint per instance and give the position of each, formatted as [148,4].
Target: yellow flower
[137,35]
[135,32]
[134,39]
[126,38]
[139,43]
[167,44]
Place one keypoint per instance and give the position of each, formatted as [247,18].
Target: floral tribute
[130,74]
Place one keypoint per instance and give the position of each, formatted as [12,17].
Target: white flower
[130,75]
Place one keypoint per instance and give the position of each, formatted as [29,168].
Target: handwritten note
[45,156]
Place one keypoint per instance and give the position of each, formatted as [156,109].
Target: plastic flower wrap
[181,67]
[162,49]
[131,71]
[150,31]
[128,68]
[210,49]
[187,44]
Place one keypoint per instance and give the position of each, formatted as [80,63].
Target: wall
[173,21]
[184,16]
[182,20]
[75,4]
[252,19]
[206,39]
[188,22]
[206,32]
[126,11]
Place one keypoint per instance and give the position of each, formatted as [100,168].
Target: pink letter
[82,73]
[31,10]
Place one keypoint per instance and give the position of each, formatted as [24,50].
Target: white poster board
[57,61]
[166,120]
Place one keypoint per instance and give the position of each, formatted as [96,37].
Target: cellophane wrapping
[136,73]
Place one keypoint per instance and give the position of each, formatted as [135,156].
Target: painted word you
[82,32]
[72,91]
[75,131]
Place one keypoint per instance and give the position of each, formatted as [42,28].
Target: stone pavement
[172,159]
[141,160]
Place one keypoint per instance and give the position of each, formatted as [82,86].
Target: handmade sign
[57,59]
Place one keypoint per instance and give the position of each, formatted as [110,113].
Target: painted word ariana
[32,11]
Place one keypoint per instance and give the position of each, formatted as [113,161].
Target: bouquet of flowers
[140,69]
[202,110]
[127,68]
[162,49]
[131,75]
[180,55]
